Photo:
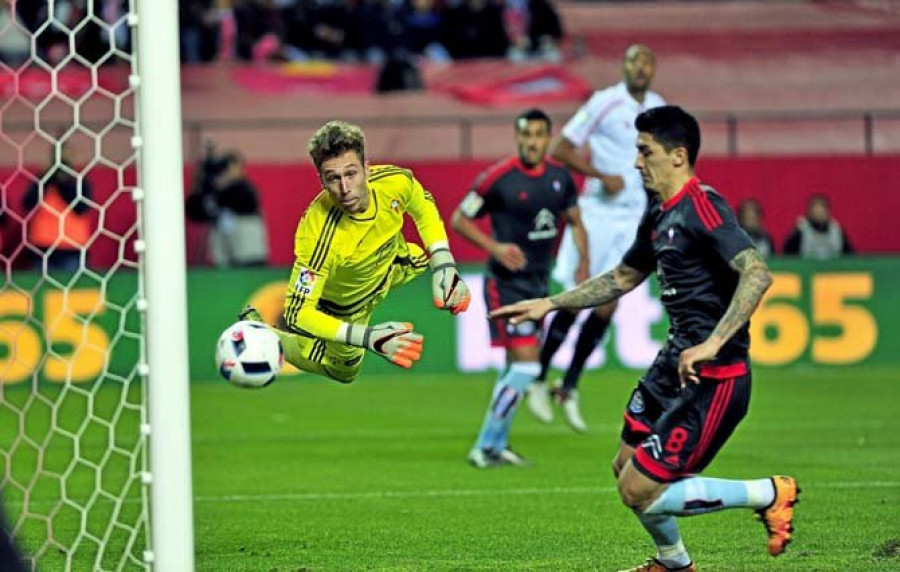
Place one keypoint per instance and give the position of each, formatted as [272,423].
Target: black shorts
[677,433]
[502,292]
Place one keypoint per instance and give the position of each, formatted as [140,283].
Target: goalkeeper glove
[394,341]
[447,287]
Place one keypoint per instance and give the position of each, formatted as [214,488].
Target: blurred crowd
[368,30]
[372,31]
[817,234]
[91,27]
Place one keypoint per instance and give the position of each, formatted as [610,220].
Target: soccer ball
[249,354]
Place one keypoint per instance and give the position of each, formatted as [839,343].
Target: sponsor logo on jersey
[557,186]
[306,281]
[653,446]
[670,240]
[544,226]
[395,205]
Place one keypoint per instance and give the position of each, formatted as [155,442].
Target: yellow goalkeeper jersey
[343,261]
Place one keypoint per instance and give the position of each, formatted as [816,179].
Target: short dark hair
[672,127]
[334,139]
[819,198]
[750,203]
[533,114]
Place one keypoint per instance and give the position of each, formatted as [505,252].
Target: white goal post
[95,458]
[161,167]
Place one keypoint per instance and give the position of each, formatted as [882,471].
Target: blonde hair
[334,139]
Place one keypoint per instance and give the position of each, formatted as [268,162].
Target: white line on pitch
[482,492]
[440,493]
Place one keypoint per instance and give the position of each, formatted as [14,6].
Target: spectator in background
[58,222]
[224,197]
[15,45]
[750,217]
[199,23]
[818,235]
[476,30]
[259,29]
[425,30]
[379,28]
[534,30]
[319,30]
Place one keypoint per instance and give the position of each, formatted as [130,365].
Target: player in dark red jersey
[711,279]
[526,197]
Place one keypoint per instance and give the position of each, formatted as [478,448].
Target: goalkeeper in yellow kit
[350,251]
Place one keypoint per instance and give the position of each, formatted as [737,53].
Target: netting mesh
[71,341]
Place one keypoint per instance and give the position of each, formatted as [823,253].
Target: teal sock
[670,549]
[508,391]
[699,495]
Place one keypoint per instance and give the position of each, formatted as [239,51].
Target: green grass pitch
[311,475]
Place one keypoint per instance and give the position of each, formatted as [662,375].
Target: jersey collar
[623,91]
[533,172]
[693,182]
[370,211]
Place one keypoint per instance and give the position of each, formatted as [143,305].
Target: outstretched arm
[593,292]
[755,279]
[448,289]
[600,289]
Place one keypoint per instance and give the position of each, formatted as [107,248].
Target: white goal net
[74,423]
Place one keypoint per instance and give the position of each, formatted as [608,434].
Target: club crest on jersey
[637,403]
[306,281]
[557,186]
[395,205]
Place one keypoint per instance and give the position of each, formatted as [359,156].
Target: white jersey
[606,123]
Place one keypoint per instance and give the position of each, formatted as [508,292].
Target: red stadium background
[859,188]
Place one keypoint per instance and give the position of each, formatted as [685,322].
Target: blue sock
[670,549]
[699,495]
[508,391]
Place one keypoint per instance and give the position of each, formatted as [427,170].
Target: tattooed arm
[593,292]
[600,289]
[754,281]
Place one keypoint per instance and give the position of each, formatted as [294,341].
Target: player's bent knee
[635,496]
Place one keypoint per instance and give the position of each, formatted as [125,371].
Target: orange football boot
[779,516]
[654,565]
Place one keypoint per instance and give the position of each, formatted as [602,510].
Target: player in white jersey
[611,203]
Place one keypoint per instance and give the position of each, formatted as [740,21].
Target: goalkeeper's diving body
[350,251]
